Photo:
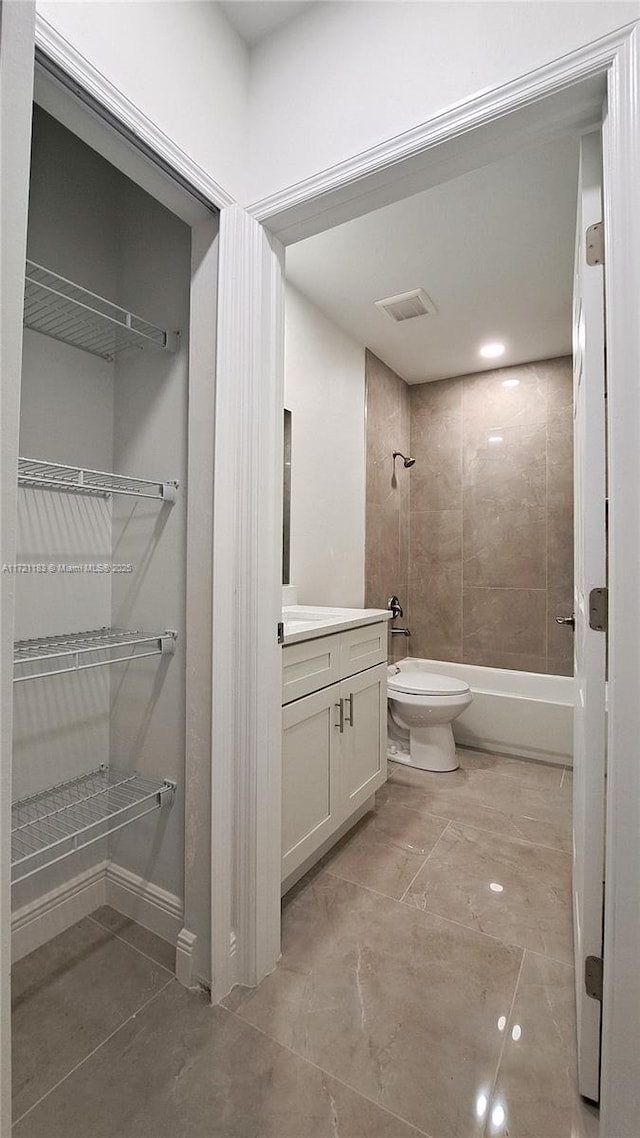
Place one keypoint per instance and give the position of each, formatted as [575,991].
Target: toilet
[421,708]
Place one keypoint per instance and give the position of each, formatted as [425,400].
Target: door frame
[472,133]
[233,659]
[16,81]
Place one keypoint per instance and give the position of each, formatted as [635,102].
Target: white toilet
[421,708]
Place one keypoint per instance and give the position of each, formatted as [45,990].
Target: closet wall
[91,224]
[150,440]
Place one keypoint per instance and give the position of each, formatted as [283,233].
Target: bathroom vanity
[334,744]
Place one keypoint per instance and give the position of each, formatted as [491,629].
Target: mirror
[286,502]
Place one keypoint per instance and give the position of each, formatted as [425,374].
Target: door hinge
[593,968]
[595,244]
[280,632]
[599,609]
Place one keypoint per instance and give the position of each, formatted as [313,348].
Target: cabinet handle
[350,702]
[340,723]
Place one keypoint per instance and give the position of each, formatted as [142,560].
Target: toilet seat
[425,683]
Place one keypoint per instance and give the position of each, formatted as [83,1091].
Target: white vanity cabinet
[334,746]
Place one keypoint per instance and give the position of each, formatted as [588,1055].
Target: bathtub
[515,713]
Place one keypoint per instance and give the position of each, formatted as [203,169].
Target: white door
[590,645]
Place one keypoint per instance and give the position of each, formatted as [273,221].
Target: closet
[100,577]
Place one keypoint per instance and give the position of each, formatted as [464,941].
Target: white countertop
[306,622]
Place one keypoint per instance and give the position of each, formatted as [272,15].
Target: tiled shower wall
[387,495]
[489,559]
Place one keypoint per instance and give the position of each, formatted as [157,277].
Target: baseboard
[185,952]
[40,920]
[150,906]
[104,884]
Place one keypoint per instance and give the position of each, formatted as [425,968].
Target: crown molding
[285,211]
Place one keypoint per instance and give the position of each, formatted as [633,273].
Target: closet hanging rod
[74,650]
[66,311]
[39,474]
[48,827]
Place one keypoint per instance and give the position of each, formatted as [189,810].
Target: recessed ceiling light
[492,351]
[510,382]
[496,887]
[495,438]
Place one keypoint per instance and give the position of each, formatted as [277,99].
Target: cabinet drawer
[362,648]
[309,666]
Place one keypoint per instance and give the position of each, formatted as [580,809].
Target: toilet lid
[426,683]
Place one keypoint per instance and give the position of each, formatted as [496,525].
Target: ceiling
[493,249]
[254,20]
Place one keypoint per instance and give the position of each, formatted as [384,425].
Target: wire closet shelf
[76,651]
[65,311]
[37,474]
[50,826]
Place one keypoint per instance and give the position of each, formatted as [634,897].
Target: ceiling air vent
[407,305]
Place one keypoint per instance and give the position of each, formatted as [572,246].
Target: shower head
[407,461]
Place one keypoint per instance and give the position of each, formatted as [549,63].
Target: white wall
[325,392]
[180,62]
[345,76]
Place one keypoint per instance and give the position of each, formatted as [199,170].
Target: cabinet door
[363,754]
[310,790]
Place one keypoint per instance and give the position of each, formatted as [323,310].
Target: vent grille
[407,305]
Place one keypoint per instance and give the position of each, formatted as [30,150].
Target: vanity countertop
[305,622]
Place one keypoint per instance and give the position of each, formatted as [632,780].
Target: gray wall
[489,558]
[150,440]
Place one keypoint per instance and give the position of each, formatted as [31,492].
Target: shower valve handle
[570,620]
[394,607]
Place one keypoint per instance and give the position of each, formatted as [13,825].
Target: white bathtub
[515,713]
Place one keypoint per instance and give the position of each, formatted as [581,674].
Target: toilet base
[433,748]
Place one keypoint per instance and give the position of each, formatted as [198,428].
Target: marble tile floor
[425,989]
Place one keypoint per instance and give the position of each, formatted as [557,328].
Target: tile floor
[425,988]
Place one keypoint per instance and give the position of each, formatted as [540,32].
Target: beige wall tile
[436,542]
[436,444]
[512,472]
[487,403]
[490,522]
[505,547]
[560,547]
[388,488]
[503,621]
[436,621]
[559,637]
[382,564]
[559,376]
[435,584]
